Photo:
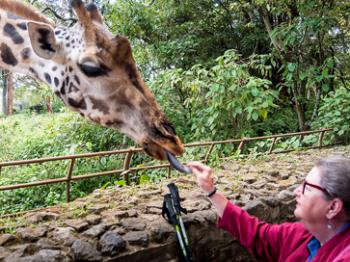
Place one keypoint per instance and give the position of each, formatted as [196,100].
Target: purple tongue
[176,164]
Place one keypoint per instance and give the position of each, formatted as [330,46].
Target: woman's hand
[204,177]
[205,181]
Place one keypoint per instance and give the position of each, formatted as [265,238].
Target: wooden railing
[128,154]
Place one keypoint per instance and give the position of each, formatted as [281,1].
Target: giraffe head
[94,73]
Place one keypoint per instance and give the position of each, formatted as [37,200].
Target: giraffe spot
[77,104]
[7,56]
[57,93]
[25,53]
[48,78]
[34,72]
[57,32]
[22,26]
[67,37]
[54,68]
[70,69]
[99,105]
[117,123]
[63,88]
[67,80]
[73,88]
[122,102]
[68,45]
[10,31]
[77,79]
[57,82]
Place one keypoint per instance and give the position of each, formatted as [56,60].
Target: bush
[335,112]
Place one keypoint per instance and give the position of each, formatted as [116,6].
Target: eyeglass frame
[305,183]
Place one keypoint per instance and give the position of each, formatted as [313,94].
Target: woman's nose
[297,191]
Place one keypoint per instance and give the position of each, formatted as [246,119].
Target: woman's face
[311,205]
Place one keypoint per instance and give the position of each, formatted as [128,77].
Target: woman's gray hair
[335,178]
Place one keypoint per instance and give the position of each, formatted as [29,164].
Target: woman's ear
[335,207]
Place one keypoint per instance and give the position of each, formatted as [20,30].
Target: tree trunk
[4,93]
[299,108]
[8,93]
[48,104]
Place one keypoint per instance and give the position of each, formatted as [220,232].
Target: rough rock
[125,224]
[84,251]
[112,243]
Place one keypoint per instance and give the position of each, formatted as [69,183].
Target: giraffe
[91,70]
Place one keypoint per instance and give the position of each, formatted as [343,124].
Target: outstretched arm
[205,181]
[261,239]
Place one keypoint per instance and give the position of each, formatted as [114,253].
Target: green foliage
[217,102]
[335,112]
[35,136]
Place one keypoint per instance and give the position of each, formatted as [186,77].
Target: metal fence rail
[128,154]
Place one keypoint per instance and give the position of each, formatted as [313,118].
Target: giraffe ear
[43,39]
[122,48]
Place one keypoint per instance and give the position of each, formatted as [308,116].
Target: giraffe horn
[85,19]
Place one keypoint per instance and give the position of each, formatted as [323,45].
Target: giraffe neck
[17,55]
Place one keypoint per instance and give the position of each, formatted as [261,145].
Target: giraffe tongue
[176,164]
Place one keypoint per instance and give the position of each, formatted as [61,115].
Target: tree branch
[73,20]
[266,19]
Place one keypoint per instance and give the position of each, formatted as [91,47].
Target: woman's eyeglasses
[314,186]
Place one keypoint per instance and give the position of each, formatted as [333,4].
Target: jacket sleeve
[260,238]
[343,256]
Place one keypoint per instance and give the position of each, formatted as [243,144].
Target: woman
[323,211]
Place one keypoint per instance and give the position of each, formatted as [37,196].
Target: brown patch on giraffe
[48,78]
[63,88]
[22,26]
[10,31]
[100,105]
[73,88]
[116,123]
[25,53]
[56,81]
[77,104]
[94,119]
[7,55]
[76,78]
[57,93]
[34,72]
[123,101]
[132,73]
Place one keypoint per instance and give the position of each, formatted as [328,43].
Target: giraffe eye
[92,70]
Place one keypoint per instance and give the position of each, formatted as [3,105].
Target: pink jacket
[286,242]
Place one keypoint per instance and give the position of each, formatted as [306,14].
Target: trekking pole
[169,211]
[178,208]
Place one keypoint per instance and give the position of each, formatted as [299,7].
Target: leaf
[121,182]
[255,92]
[291,67]
[255,116]
[263,113]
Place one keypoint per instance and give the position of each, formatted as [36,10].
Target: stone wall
[125,223]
